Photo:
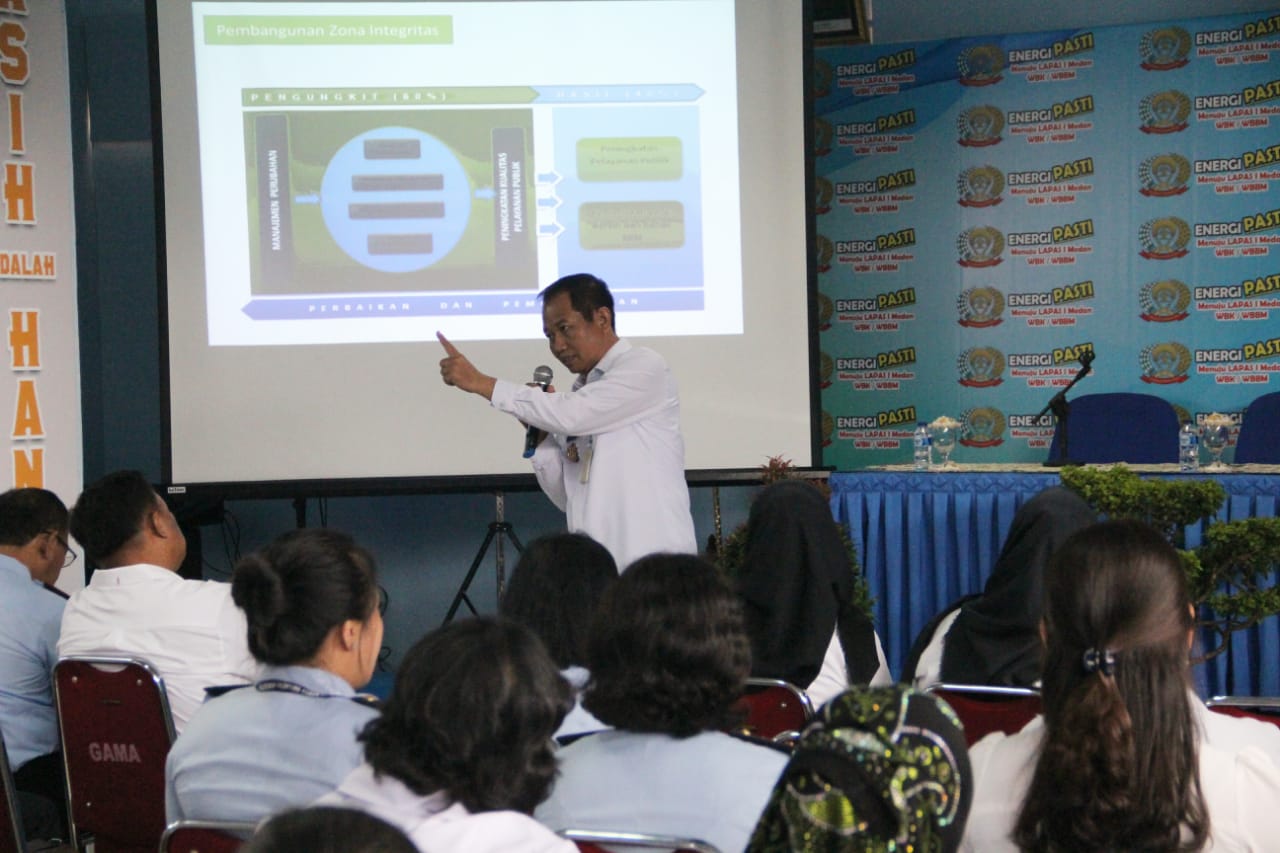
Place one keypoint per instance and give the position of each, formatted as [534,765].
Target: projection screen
[341,180]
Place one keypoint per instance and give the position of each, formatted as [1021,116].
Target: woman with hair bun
[311,601]
[1124,757]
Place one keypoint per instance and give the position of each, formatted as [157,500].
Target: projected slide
[373,172]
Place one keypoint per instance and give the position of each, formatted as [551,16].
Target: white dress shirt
[631,496]
[191,631]
[435,825]
[833,678]
[711,786]
[1241,790]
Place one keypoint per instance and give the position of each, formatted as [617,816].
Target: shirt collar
[310,677]
[619,348]
[15,567]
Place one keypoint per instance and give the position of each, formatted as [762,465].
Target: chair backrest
[116,729]
[984,709]
[1263,708]
[596,841]
[1257,439]
[775,709]
[1119,427]
[11,838]
[204,836]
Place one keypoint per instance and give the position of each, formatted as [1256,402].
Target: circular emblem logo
[1164,175]
[1164,301]
[826,310]
[980,65]
[980,307]
[980,126]
[824,249]
[826,367]
[1164,112]
[1165,363]
[1163,239]
[983,427]
[823,133]
[981,367]
[980,246]
[822,76]
[980,186]
[1165,48]
[823,192]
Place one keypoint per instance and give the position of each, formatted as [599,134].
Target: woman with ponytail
[1120,760]
[311,601]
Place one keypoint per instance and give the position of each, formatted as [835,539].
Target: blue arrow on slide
[484,192]
[311,198]
[624,93]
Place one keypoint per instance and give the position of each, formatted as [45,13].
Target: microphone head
[1086,358]
[542,375]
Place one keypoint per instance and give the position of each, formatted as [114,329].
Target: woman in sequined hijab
[880,769]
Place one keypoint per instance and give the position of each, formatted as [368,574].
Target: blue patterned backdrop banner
[990,209]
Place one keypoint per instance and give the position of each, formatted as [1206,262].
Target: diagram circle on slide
[395,199]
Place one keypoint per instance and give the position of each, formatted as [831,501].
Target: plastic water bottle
[923,447]
[1189,447]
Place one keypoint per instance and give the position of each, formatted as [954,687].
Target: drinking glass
[1216,437]
[944,441]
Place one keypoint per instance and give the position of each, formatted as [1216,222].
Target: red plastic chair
[116,729]
[983,709]
[11,840]
[594,841]
[203,836]
[1263,708]
[776,710]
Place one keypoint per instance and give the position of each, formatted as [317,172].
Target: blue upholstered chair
[1119,427]
[1259,429]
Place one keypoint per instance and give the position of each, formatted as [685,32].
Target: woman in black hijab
[797,586]
[995,639]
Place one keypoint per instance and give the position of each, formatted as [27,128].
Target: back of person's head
[323,829]
[795,578]
[879,769]
[26,513]
[668,650]
[110,512]
[296,590]
[555,589]
[1119,766]
[587,294]
[472,713]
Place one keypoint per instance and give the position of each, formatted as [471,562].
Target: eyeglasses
[70,556]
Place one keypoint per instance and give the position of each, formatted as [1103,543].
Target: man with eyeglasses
[33,553]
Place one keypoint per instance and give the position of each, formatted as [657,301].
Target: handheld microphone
[1086,358]
[541,378]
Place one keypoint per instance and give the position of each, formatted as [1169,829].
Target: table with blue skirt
[924,539]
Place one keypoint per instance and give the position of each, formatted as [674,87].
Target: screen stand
[499,530]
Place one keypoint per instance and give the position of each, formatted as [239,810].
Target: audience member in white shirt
[554,592]
[1119,761]
[462,752]
[136,605]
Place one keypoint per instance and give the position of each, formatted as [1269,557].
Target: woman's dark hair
[472,713]
[325,829]
[555,589]
[1119,767]
[297,589]
[110,512]
[587,294]
[668,651]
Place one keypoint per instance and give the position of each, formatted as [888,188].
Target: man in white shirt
[136,605]
[612,455]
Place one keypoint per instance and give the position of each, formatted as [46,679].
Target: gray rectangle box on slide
[392,149]
[396,183]
[397,210]
[399,244]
